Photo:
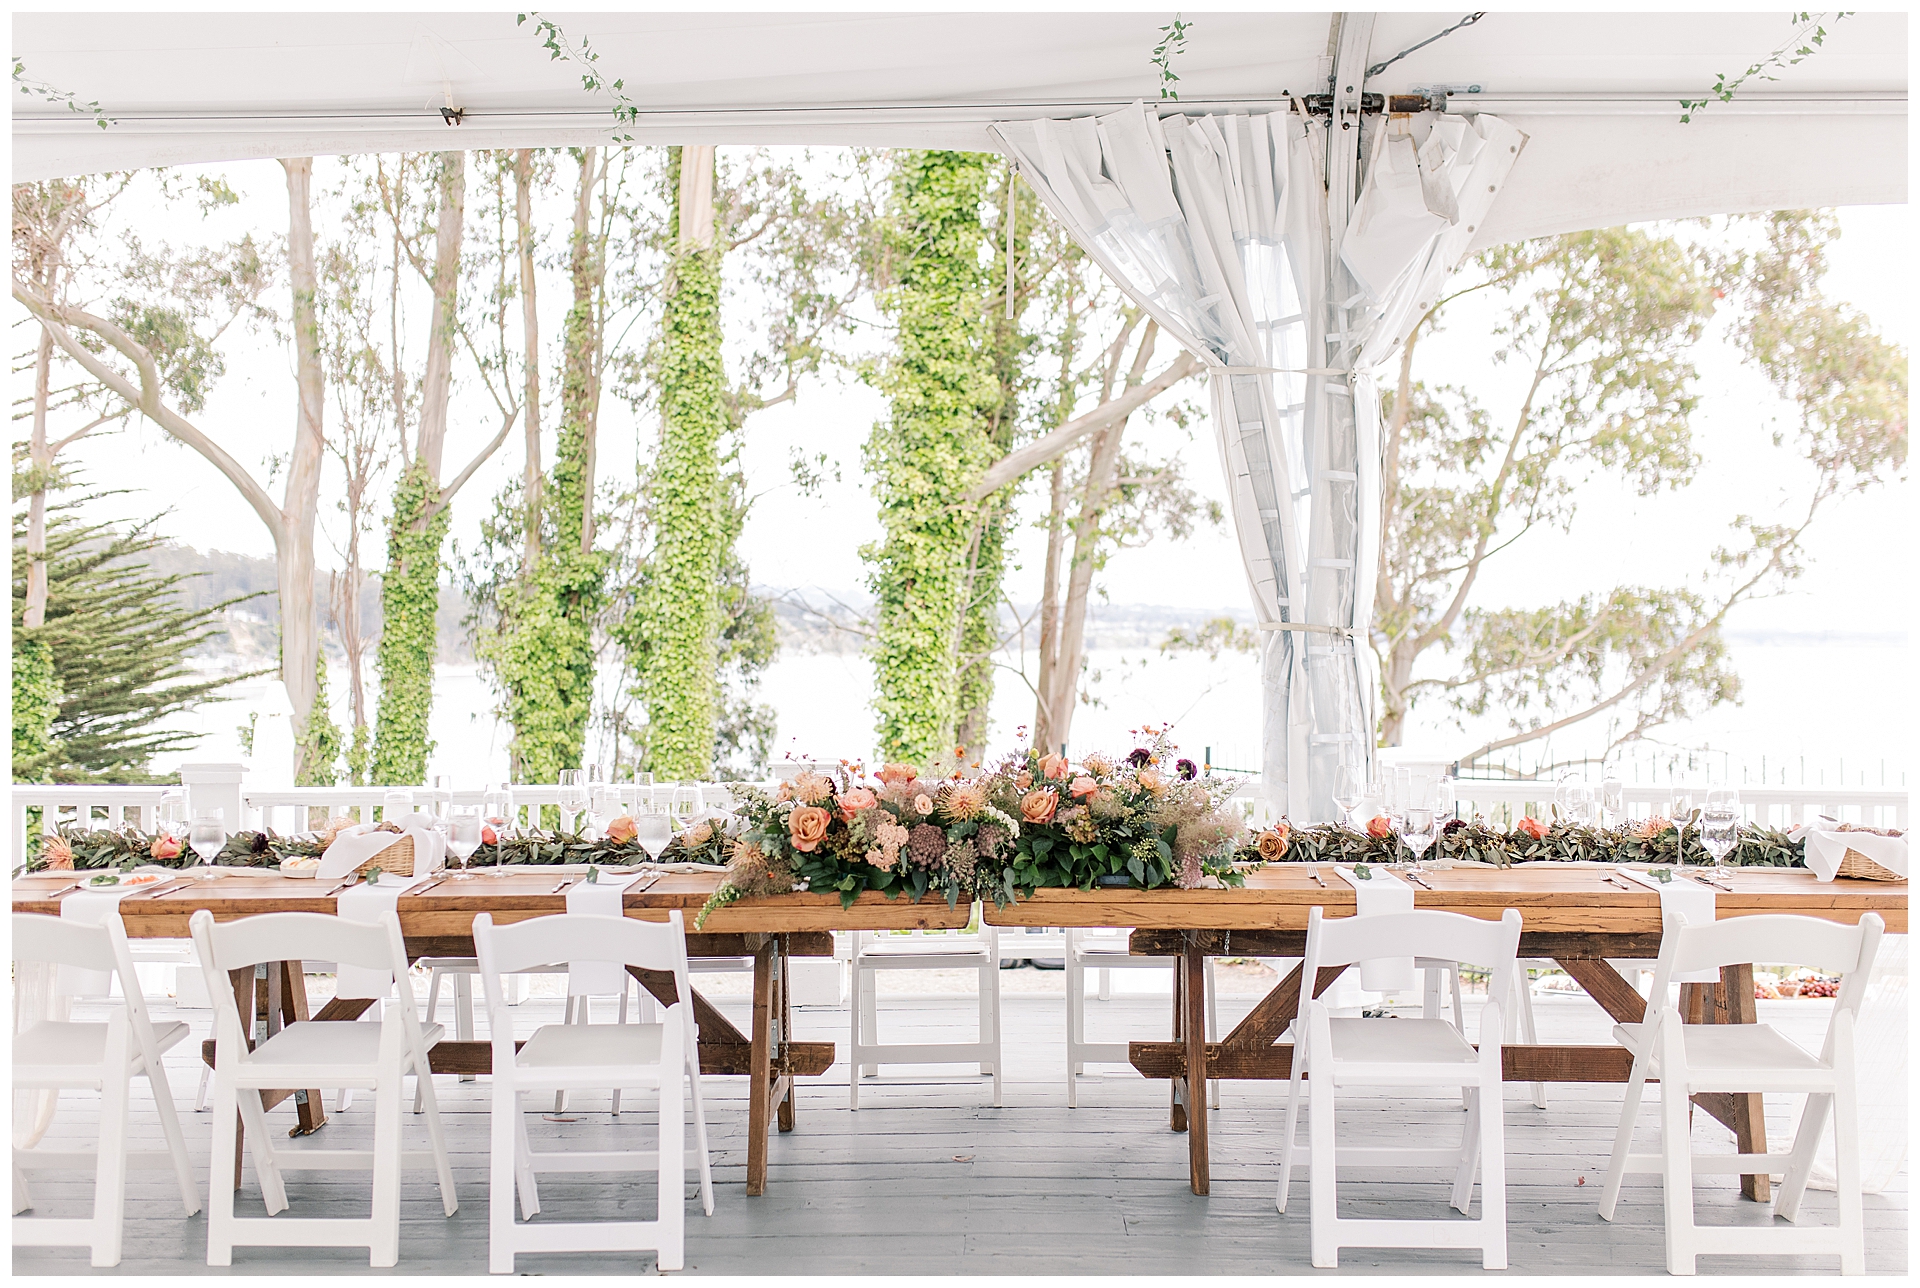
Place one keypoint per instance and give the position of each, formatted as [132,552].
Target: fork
[563,885]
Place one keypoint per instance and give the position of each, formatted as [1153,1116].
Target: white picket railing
[1782,807]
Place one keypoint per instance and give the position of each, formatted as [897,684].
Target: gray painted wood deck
[927,1178]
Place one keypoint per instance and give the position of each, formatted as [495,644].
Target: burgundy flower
[1453,825]
[1186,769]
[1139,757]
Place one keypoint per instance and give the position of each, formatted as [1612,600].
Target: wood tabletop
[1550,897]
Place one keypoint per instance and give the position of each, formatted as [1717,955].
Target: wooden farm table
[438,922]
[1571,914]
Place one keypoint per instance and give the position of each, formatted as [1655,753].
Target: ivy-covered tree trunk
[932,449]
[300,661]
[542,651]
[980,630]
[679,628]
[410,591]
[36,700]
[320,741]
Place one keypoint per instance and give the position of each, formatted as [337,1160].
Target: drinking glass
[170,819]
[1441,801]
[1613,800]
[686,802]
[500,808]
[208,836]
[1402,793]
[653,830]
[395,806]
[641,778]
[442,799]
[1349,789]
[1583,805]
[1721,803]
[1417,831]
[463,834]
[1676,805]
[573,791]
[1563,784]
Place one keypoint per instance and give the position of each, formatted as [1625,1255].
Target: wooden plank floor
[928,1179]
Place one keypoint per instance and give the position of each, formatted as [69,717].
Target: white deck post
[216,786]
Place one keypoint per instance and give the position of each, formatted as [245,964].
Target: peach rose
[1023,780]
[1151,780]
[59,854]
[1272,845]
[622,830]
[1379,828]
[784,792]
[1053,766]
[1532,827]
[1083,786]
[923,804]
[489,837]
[1038,806]
[165,847]
[897,773]
[855,799]
[808,827]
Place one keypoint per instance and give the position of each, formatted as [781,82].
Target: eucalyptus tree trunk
[680,626]
[530,324]
[36,697]
[410,591]
[293,554]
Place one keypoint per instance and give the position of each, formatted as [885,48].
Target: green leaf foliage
[942,385]
[321,742]
[117,638]
[409,636]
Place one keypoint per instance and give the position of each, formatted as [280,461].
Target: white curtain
[1219,227]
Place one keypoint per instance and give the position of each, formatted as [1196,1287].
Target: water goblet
[653,830]
[1441,800]
[686,802]
[499,809]
[1416,831]
[395,806]
[573,792]
[463,835]
[1613,800]
[1721,802]
[1349,789]
[207,835]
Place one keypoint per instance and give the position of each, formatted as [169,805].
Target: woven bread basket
[396,858]
[1856,864]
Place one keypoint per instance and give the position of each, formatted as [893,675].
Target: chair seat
[592,1046]
[70,1043]
[1400,1042]
[331,1042]
[917,947]
[1724,1048]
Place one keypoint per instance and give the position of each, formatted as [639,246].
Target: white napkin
[367,904]
[1691,900]
[91,906]
[429,842]
[354,846]
[1385,893]
[597,899]
[1825,849]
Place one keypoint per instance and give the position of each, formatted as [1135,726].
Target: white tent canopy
[1597,93]
[1290,251]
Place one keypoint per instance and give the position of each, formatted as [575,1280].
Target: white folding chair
[54,1055]
[1403,1053]
[921,950]
[1692,1058]
[1520,1026]
[564,1057]
[373,1057]
[1102,950]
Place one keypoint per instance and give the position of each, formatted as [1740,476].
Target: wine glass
[463,834]
[170,819]
[1721,818]
[1676,804]
[1613,799]
[395,806]
[1416,830]
[573,792]
[1349,789]
[1441,801]
[208,836]
[653,830]
[500,808]
[686,802]
[1583,805]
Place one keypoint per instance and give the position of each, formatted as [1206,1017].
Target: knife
[646,883]
[1709,881]
[165,887]
[428,886]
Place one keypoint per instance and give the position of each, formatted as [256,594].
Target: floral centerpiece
[1146,820]
[898,834]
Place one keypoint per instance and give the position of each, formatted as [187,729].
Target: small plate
[300,874]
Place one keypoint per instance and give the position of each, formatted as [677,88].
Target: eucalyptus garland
[409,632]
[1528,842]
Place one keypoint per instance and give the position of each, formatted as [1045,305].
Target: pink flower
[808,827]
[1083,786]
[1039,806]
[622,830]
[165,847]
[1023,780]
[1379,828]
[855,799]
[923,804]
[1053,766]
[897,773]
[1532,827]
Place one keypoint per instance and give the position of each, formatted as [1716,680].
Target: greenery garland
[409,632]
[931,450]
[678,623]
[1530,841]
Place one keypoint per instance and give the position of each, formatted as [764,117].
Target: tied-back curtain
[1218,227]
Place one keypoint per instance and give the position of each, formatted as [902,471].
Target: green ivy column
[320,741]
[679,613]
[409,635]
[36,700]
[931,450]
